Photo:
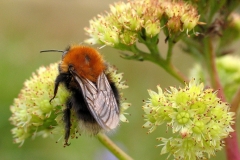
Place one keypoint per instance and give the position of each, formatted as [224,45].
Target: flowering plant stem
[212,69]
[166,64]
[120,154]
[232,149]
[155,57]
[231,143]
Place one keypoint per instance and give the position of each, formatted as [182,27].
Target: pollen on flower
[33,115]
[199,120]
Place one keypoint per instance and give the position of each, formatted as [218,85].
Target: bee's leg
[55,90]
[60,78]
[67,121]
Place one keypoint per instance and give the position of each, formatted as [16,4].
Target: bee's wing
[100,101]
[106,103]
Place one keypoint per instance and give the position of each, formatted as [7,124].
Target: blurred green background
[26,27]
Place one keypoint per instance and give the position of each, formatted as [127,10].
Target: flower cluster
[198,118]
[33,115]
[140,19]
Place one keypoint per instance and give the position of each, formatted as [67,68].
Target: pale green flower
[198,119]
[33,114]
[126,23]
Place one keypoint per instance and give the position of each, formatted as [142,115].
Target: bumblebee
[93,95]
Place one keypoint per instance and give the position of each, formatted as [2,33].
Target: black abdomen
[80,107]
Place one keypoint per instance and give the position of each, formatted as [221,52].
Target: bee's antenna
[52,51]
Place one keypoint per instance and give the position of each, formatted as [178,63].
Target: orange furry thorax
[87,62]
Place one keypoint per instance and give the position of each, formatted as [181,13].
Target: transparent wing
[100,101]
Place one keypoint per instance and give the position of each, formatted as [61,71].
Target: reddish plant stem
[235,101]
[211,65]
[231,142]
[232,149]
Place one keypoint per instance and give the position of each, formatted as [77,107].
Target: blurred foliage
[30,26]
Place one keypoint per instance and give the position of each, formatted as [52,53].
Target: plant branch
[176,73]
[169,68]
[112,147]
[235,101]
[210,59]
[165,64]
[169,53]
[153,48]
[155,57]
[232,148]
[231,145]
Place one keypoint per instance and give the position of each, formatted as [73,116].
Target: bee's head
[85,61]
